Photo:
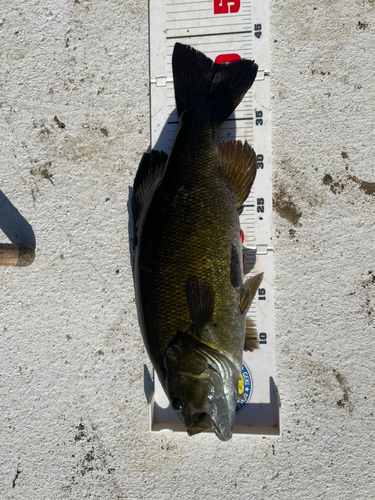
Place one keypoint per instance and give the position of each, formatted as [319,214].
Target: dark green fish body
[192,217]
[190,294]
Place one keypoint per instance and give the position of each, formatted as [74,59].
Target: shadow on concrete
[13,224]
[167,135]
[148,383]
[249,259]
[130,227]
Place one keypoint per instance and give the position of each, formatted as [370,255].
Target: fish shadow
[167,135]
[148,383]
[249,259]
[130,228]
[14,225]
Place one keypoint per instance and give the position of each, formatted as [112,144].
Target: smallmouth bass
[188,276]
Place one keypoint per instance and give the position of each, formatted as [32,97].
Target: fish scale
[172,21]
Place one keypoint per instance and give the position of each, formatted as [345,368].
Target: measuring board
[225,31]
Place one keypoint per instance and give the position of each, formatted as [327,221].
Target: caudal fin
[214,88]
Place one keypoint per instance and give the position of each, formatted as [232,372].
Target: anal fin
[239,163]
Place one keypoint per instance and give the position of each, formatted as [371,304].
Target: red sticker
[226,6]
[224,58]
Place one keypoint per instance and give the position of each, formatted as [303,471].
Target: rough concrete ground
[73,408]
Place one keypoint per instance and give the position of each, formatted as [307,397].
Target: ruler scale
[226,30]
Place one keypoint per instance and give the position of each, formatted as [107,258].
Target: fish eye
[177,404]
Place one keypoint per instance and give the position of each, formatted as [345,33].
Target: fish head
[202,386]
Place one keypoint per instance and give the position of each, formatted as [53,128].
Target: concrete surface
[73,407]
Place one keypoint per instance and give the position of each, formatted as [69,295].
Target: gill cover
[201,384]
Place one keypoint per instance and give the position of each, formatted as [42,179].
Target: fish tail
[203,84]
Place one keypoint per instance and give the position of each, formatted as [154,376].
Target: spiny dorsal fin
[201,300]
[247,292]
[239,163]
[254,283]
[245,298]
[251,338]
[149,173]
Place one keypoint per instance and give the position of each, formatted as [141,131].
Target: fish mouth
[208,385]
[222,428]
[192,431]
[204,422]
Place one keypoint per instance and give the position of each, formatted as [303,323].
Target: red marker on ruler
[226,6]
[225,58]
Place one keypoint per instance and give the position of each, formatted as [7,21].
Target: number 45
[258,30]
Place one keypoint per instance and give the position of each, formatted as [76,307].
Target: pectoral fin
[251,338]
[239,163]
[201,300]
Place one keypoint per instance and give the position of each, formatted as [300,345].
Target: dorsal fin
[239,163]
[149,173]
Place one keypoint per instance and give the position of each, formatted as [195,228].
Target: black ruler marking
[207,34]
[196,27]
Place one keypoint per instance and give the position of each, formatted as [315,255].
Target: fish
[190,291]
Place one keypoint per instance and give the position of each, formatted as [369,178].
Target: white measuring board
[226,30]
